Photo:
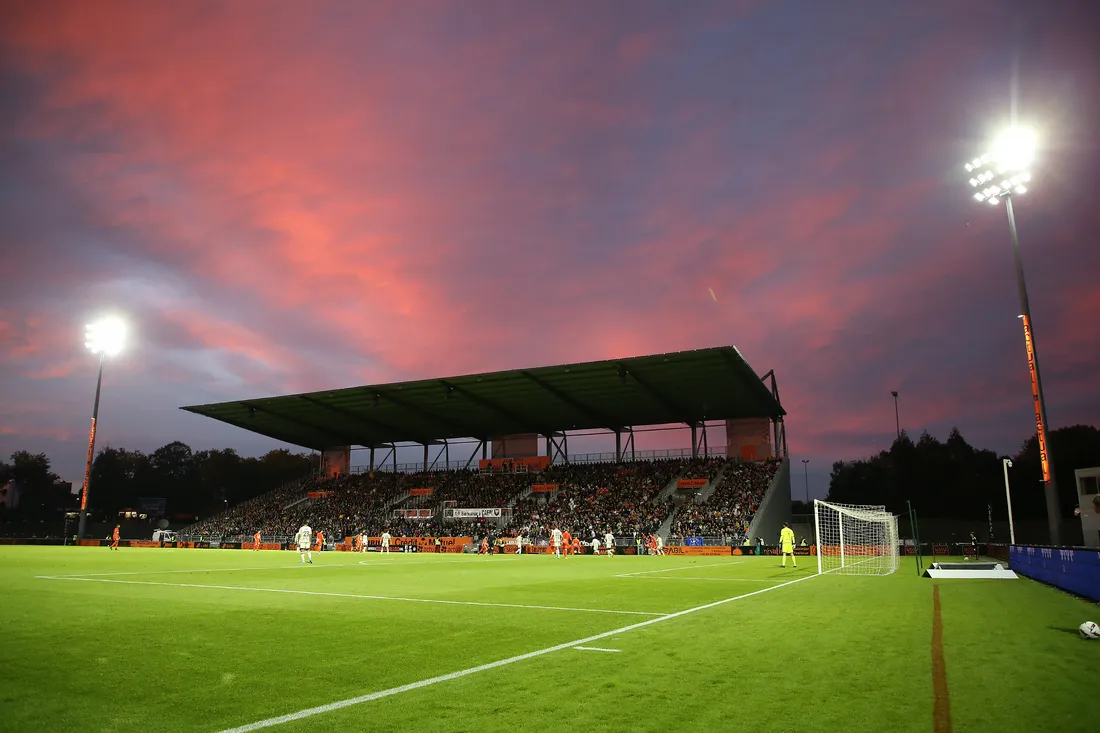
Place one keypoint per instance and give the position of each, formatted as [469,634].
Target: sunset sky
[289,196]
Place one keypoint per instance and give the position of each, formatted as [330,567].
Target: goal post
[855,540]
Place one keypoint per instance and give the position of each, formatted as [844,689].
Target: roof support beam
[366,424]
[338,439]
[653,392]
[455,426]
[574,403]
[489,405]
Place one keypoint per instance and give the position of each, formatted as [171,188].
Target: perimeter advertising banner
[1076,570]
[772,550]
[710,550]
[543,488]
[472,513]
[691,483]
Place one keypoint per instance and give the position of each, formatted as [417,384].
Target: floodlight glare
[1014,149]
[106,336]
[1009,158]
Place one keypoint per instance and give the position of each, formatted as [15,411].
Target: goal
[855,540]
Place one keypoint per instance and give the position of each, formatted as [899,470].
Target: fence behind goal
[855,540]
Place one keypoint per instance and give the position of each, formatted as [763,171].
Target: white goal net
[855,540]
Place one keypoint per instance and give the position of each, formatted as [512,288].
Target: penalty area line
[364,596]
[370,697]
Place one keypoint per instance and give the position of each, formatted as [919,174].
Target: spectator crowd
[589,500]
[731,507]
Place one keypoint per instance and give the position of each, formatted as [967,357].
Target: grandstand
[707,493]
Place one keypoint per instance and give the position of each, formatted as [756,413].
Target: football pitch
[234,640]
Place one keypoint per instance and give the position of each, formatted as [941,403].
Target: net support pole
[840,531]
[817,534]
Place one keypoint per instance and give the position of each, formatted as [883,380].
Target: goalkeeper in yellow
[786,539]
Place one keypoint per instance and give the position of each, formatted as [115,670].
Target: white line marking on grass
[357,595]
[681,567]
[723,580]
[340,704]
[595,649]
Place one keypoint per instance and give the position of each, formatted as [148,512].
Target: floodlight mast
[1002,172]
[105,338]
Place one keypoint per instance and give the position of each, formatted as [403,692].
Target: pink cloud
[319,206]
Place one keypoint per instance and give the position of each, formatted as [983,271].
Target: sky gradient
[289,196]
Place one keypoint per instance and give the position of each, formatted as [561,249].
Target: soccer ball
[1089,630]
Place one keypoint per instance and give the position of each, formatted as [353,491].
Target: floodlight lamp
[106,336]
[1014,149]
[1021,189]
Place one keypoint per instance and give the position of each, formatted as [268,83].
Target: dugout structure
[692,388]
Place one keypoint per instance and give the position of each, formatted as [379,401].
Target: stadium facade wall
[1076,569]
[336,462]
[749,439]
[1088,488]
[516,446]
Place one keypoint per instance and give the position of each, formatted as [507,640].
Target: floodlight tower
[1003,171]
[105,337]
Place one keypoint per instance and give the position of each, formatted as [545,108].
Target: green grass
[824,654]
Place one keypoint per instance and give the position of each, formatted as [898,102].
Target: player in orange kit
[114,538]
[567,543]
[576,545]
[320,541]
[256,540]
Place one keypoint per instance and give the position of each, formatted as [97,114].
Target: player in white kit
[555,540]
[386,542]
[519,544]
[660,545]
[362,542]
[595,545]
[609,541]
[304,539]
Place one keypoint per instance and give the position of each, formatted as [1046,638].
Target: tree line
[953,479]
[942,479]
[193,483]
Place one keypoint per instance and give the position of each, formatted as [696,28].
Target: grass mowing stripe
[356,595]
[340,704]
[941,707]
[681,567]
[681,577]
[375,564]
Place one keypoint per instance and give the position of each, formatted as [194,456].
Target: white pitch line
[340,704]
[681,567]
[595,649]
[723,580]
[356,595]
